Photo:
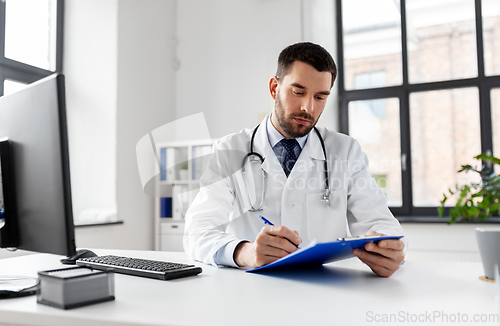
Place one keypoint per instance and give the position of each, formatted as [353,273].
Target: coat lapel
[311,152]
[271,164]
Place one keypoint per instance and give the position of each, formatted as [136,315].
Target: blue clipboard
[316,254]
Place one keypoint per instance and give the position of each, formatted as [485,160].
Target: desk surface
[341,293]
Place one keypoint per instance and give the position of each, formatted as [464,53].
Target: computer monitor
[34,122]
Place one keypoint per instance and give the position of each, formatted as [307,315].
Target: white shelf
[182,163]
[179,182]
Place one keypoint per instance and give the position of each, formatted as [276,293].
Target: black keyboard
[140,267]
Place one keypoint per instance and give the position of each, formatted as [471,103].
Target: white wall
[118,63]
[90,67]
[228,51]
[146,100]
[429,237]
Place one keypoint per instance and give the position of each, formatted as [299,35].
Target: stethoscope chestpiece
[326,197]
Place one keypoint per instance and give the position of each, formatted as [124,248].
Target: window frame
[22,72]
[484,84]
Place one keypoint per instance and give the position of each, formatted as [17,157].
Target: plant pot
[488,241]
[183,174]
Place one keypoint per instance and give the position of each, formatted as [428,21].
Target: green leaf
[466,168]
[440,210]
[473,211]
[489,158]
[485,203]
[475,200]
[453,215]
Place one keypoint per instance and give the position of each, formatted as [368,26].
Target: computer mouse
[84,253]
[81,253]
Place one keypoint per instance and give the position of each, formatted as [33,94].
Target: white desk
[342,293]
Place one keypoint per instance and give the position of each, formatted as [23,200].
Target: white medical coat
[220,215]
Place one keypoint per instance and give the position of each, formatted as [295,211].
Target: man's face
[299,99]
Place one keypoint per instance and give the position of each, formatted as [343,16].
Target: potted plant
[183,171]
[477,201]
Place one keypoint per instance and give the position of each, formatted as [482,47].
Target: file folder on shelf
[317,254]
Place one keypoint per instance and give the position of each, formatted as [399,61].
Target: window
[370,79]
[491,36]
[31,41]
[372,43]
[445,134]
[10,86]
[378,135]
[420,90]
[441,40]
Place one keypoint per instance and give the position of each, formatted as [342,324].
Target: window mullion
[479,39]
[406,176]
[6,63]
[343,113]
[404,43]
[485,118]
[484,91]
[2,43]
[2,30]
[59,36]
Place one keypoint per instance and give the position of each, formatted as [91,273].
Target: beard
[288,125]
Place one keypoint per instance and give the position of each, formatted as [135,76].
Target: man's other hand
[384,257]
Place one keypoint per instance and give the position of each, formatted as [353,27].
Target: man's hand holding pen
[272,243]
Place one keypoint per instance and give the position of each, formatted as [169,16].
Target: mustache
[304,115]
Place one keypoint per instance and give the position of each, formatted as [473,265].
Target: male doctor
[223,224]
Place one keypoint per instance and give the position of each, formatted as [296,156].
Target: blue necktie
[290,157]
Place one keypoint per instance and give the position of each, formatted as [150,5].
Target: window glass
[372,42]
[375,124]
[10,86]
[369,79]
[441,40]
[495,122]
[445,135]
[491,36]
[30,32]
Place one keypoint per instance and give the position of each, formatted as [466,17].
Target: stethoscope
[257,157]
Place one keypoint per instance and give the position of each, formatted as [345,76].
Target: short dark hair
[310,53]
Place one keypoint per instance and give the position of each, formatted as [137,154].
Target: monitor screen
[34,121]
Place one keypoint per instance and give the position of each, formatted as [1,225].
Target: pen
[266,221]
